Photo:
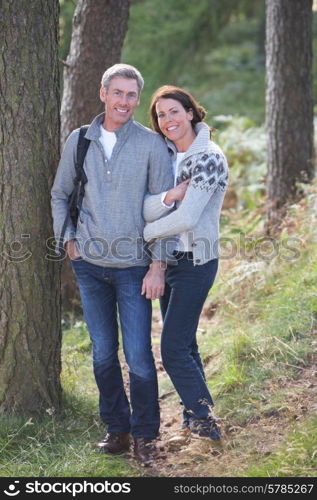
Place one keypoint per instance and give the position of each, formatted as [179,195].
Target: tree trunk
[99,28]
[29,282]
[289,101]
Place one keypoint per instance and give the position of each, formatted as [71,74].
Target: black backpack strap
[81,178]
[82,148]
[76,197]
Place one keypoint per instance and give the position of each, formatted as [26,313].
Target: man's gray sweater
[110,225]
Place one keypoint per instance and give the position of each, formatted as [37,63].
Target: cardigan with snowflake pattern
[199,212]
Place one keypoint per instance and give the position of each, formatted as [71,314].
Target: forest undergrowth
[258,338]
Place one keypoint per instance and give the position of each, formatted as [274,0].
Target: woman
[201,177]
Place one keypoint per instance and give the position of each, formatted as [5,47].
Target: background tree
[29,282]
[99,28]
[289,101]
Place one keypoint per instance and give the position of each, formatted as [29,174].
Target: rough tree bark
[99,28]
[289,102]
[29,135]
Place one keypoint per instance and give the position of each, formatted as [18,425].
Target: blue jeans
[102,290]
[187,287]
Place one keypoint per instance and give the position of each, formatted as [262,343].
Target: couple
[174,178]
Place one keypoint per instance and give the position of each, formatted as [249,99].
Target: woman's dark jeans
[187,287]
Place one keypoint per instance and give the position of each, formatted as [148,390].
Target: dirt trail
[183,455]
[197,457]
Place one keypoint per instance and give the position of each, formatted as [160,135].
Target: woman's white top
[183,242]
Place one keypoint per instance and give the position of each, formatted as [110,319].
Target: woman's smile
[175,122]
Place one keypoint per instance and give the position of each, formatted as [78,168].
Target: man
[124,162]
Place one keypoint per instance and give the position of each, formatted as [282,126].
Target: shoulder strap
[82,148]
[76,197]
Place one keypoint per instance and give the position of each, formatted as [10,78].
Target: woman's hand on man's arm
[177,193]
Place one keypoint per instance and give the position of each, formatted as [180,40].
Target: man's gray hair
[123,71]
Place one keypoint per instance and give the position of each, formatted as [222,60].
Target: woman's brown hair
[180,95]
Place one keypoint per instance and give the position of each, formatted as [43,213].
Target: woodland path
[182,455]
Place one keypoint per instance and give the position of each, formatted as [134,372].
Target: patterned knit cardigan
[199,212]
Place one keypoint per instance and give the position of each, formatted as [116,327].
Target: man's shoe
[206,427]
[114,443]
[145,450]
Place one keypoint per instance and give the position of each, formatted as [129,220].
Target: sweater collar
[93,132]
[199,144]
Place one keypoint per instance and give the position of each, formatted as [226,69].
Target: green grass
[296,457]
[64,445]
[264,328]
[53,447]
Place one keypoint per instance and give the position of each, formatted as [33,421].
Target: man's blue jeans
[102,290]
[186,289]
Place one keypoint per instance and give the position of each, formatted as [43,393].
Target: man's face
[121,99]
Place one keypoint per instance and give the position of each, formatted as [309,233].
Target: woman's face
[174,121]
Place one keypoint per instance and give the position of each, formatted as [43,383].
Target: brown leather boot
[145,450]
[114,443]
